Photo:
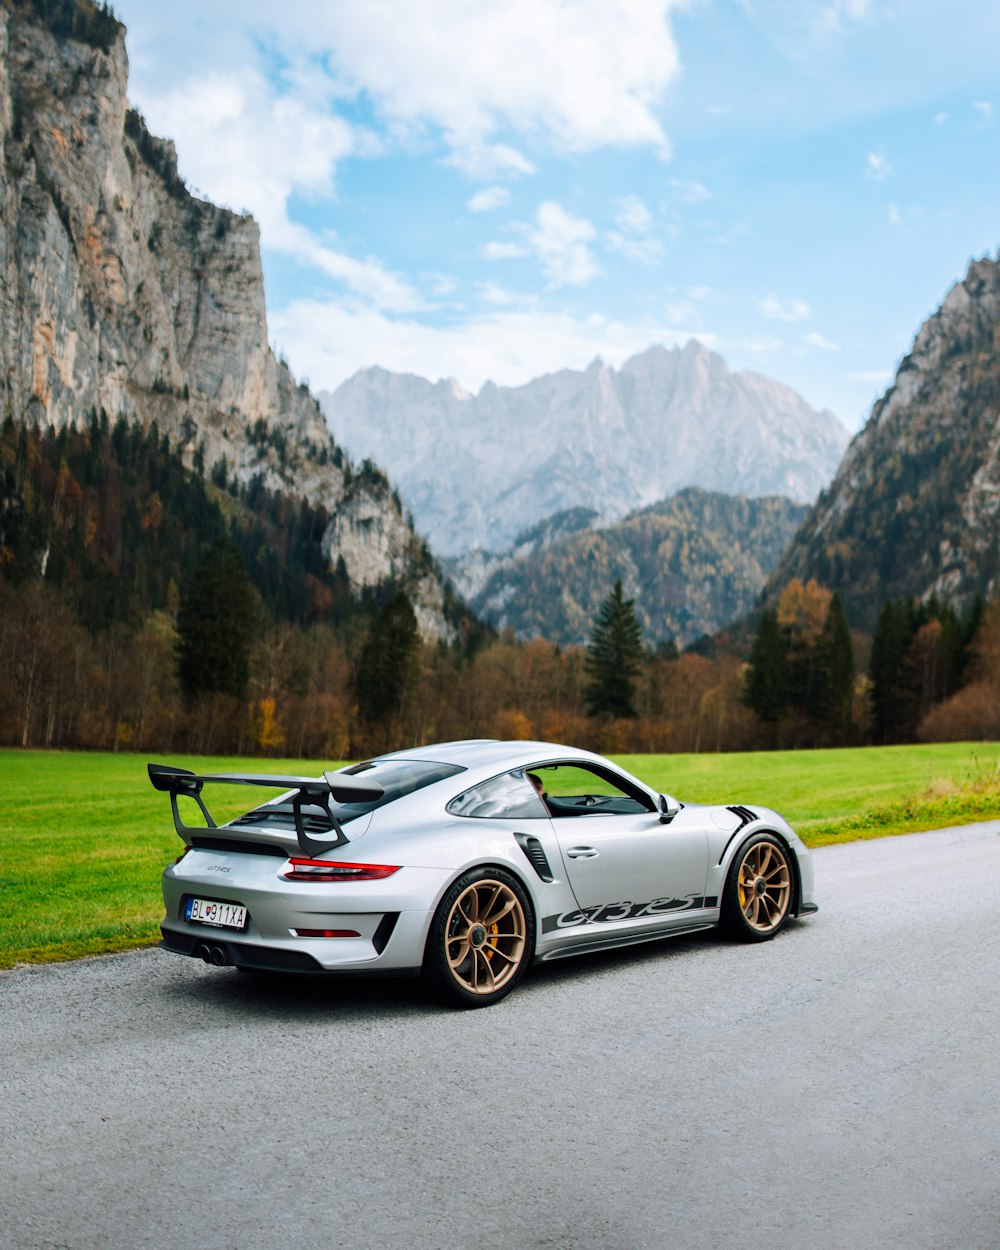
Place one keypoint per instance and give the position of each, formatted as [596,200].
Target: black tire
[481,940]
[760,890]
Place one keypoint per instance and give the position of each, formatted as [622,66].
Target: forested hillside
[113,518]
[692,563]
[915,507]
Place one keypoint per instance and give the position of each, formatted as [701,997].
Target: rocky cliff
[121,291]
[915,507]
[477,469]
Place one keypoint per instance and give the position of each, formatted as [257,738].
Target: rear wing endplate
[341,787]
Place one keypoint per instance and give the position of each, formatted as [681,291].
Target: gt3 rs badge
[606,913]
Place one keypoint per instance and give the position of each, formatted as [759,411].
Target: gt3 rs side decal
[606,913]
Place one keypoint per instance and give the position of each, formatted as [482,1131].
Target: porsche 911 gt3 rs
[464,862]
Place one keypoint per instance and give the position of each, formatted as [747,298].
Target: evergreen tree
[767,686]
[834,675]
[387,659]
[215,625]
[613,657]
[889,645]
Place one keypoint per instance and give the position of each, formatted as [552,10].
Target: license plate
[222,915]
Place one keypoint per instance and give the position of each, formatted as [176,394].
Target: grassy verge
[84,837]
[842,795]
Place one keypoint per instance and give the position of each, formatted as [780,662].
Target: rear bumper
[224,952]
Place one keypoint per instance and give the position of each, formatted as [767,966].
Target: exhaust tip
[219,956]
[204,951]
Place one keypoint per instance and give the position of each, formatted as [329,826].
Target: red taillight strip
[336,870]
[324,933]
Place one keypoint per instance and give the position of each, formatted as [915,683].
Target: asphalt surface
[838,1087]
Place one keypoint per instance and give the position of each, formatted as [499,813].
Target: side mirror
[669,807]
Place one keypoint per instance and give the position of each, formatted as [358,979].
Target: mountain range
[476,470]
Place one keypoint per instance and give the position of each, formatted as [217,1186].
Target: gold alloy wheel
[485,937]
[764,886]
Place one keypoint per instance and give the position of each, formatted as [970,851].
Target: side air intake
[536,855]
[745,815]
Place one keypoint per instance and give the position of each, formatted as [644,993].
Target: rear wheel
[481,939]
[758,895]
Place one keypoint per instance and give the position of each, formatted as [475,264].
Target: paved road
[839,1087]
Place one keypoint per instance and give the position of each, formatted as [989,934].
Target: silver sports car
[464,862]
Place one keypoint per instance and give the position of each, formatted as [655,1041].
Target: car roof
[488,753]
[476,753]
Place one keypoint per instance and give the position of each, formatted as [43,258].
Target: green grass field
[84,837]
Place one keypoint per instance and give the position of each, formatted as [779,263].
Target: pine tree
[834,675]
[215,625]
[613,657]
[386,663]
[893,634]
[767,686]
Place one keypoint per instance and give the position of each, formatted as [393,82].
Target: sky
[497,189]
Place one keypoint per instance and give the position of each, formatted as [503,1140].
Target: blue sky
[502,188]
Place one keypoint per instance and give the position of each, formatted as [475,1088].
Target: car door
[621,861]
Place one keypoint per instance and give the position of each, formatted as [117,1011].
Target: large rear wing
[341,787]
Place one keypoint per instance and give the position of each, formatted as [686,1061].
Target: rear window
[396,777]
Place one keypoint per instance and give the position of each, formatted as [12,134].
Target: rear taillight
[312,933]
[328,870]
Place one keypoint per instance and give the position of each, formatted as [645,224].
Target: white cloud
[495,250]
[877,167]
[644,251]
[573,75]
[824,344]
[633,239]
[632,215]
[895,216]
[499,296]
[491,160]
[582,75]
[487,199]
[560,243]
[939,119]
[690,192]
[784,309]
[841,13]
[441,284]
[984,109]
[331,341]
[233,145]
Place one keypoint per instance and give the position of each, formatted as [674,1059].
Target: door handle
[582,852]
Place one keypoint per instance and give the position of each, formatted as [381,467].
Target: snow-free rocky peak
[476,470]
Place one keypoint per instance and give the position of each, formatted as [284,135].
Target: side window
[510,796]
[577,790]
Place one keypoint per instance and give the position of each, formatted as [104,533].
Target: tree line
[217,676]
[143,607]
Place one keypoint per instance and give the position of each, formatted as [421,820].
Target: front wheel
[481,939]
[758,894]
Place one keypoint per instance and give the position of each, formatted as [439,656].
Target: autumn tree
[614,657]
